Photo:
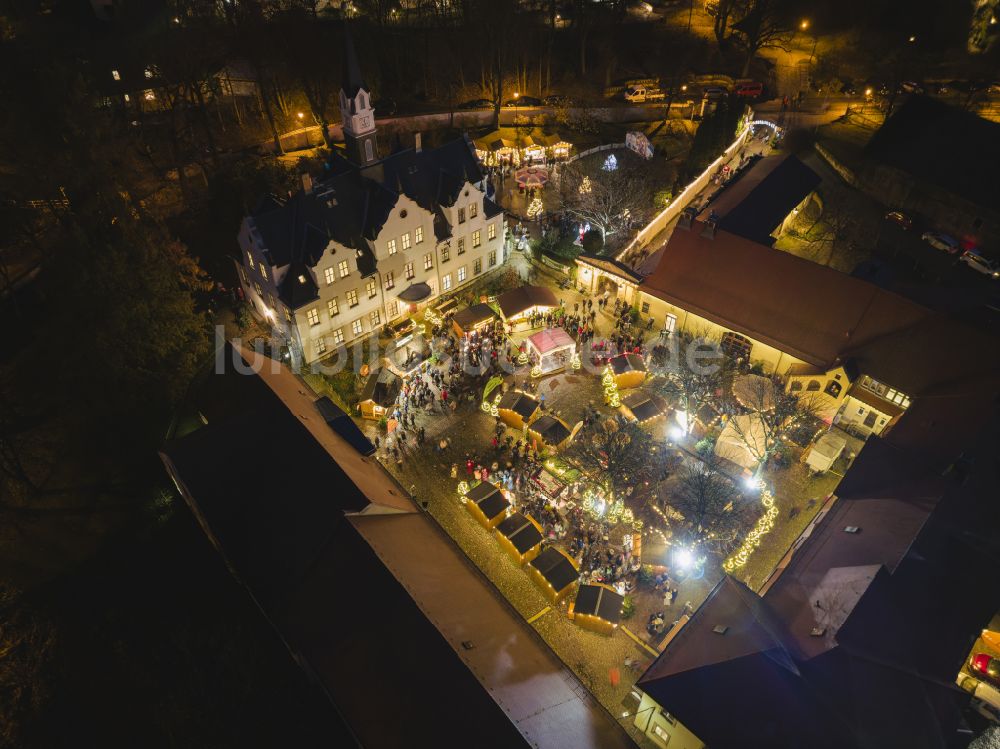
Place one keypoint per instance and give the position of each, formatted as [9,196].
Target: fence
[595,149]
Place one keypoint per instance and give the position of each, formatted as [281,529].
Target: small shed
[554,572]
[550,430]
[516,409]
[487,504]
[520,536]
[520,303]
[472,319]
[629,370]
[825,451]
[378,396]
[551,350]
[642,406]
[598,608]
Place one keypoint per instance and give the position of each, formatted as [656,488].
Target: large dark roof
[759,200]
[512,303]
[942,146]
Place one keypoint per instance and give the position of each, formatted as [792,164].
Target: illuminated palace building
[370,240]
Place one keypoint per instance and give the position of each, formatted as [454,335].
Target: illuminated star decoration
[764,526]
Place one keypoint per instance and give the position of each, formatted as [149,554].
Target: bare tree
[708,500]
[608,201]
[761,28]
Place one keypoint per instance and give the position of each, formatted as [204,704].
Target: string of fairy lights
[753,539]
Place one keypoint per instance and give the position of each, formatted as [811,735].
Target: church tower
[356,110]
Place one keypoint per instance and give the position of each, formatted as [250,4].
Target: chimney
[686,217]
[416,143]
[709,231]
[307,182]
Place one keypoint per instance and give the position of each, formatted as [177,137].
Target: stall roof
[382,387]
[627,363]
[552,430]
[547,341]
[520,403]
[514,302]
[556,568]
[599,600]
[489,499]
[644,405]
[521,531]
[470,317]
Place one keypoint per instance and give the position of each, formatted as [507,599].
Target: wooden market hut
[487,504]
[472,319]
[550,430]
[642,406]
[441,310]
[551,350]
[629,370]
[554,572]
[597,608]
[516,409]
[379,393]
[520,536]
[519,304]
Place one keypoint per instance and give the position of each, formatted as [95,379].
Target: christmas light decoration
[535,208]
[611,395]
[585,186]
[764,526]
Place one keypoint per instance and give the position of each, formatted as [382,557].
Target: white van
[640,94]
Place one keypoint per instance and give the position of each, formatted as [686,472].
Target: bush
[705,446]
[243,317]
[593,242]
[628,608]
[646,575]
[383,425]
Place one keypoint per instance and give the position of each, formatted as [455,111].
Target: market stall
[378,396]
[516,409]
[629,370]
[743,440]
[498,147]
[597,608]
[518,305]
[554,572]
[550,350]
[472,319]
[549,430]
[520,536]
[487,504]
[436,314]
[825,451]
[643,406]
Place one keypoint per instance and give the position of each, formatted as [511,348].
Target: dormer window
[302,279]
[116,75]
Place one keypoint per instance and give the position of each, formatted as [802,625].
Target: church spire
[353,82]
[357,112]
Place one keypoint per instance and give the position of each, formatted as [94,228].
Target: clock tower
[356,110]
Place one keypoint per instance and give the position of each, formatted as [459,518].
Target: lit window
[473,210]
[393,308]
[258,289]
[250,260]
[491,231]
[445,254]
[372,288]
[389,281]
[343,268]
[428,261]
[263,272]
[357,327]
[313,316]
[461,274]
[375,318]
[352,298]
[270,299]
[329,275]
[477,238]
[392,246]
[148,73]
[408,271]
[332,307]
[418,235]
[369,151]
[127,99]
[406,241]
[116,75]
[477,267]
[645,308]
[736,346]
[461,246]
[320,344]
[148,95]
[492,258]
[288,314]
[338,336]
[461,215]
[446,282]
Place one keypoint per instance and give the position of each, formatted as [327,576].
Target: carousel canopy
[643,405]
[415,292]
[627,363]
[551,430]
[520,403]
[521,531]
[532,176]
[556,568]
[470,318]
[488,498]
[599,600]
[517,301]
[382,387]
[547,341]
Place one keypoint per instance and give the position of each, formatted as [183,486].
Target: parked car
[523,101]
[752,89]
[640,94]
[558,100]
[911,87]
[994,88]
[900,218]
[714,92]
[476,104]
[983,265]
[985,667]
[941,242]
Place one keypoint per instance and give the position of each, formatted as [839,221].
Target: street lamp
[804,24]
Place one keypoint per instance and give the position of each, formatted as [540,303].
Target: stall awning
[600,601]
[521,531]
[488,498]
[415,292]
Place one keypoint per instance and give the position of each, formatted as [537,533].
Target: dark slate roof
[759,200]
[520,403]
[942,146]
[598,600]
[521,531]
[382,387]
[491,209]
[550,429]
[556,568]
[489,499]
[610,265]
[298,287]
[516,301]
